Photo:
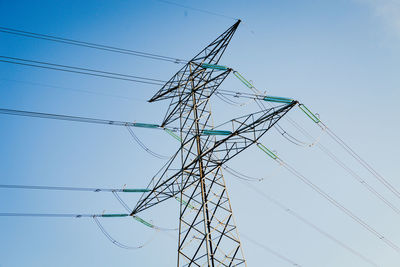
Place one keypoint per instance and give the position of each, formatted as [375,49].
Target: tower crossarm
[245,131]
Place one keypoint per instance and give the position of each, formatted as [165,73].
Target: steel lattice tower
[207,231]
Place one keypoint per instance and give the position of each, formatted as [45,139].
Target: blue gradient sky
[339,57]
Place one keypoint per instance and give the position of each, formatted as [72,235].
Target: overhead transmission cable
[142,145]
[240,175]
[365,164]
[288,136]
[128,125]
[325,150]
[61,215]
[117,243]
[227,100]
[309,223]
[69,215]
[280,129]
[114,191]
[24,113]
[79,70]
[349,171]
[66,188]
[91,45]
[74,118]
[196,9]
[329,198]
[52,86]
[350,151]
[270,250]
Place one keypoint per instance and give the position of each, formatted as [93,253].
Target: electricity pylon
[207,231]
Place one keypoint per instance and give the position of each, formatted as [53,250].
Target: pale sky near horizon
[341,58]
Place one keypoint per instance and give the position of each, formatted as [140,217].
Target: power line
[46,85]
[143,146]
[270,250]
[309,223]
[90,45]
[80,215]
[56,215]
[66,118]
[197,9]
[338,205]
[240,175]
[24,113]
[78,70]
[352,173]
[238,94]
[66,188]
[350,151]
[360,160]
[114,241]
[94,216]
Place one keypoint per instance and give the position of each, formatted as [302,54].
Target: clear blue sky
[339,57]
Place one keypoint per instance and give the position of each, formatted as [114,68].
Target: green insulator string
[243,80]
[267,151]
[137,218]
[151,225]
[309,114]
[183,202]
[171,133]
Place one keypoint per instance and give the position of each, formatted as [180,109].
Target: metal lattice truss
[207,232]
